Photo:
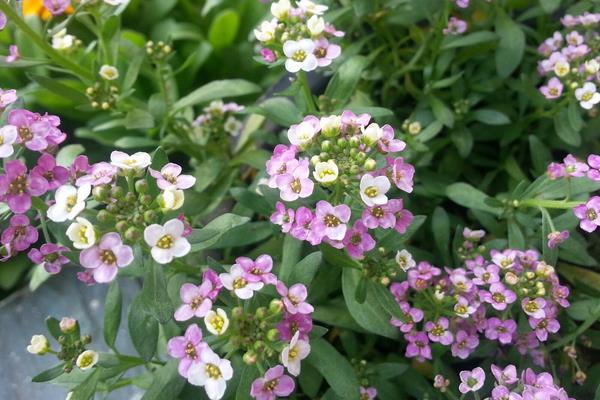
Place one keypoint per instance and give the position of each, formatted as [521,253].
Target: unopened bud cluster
[102,96]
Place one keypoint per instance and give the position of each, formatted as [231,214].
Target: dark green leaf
[143,329]
[305,270]
[281,111]
[469,197]
[49,374]
[564,130]
[292,249]
[440,226]
[470,39]
[154,293]
[217,90]
[166,384]
[138,119]
[214,230]
[53,326]
[86,389]
[345,80]
[224,28]
[112,313]
[490,117]
[441,111]
[511,46]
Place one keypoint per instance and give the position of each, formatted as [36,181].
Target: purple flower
[594,171]
[87,277]
[553,89]
[216,284]
[401,173]
[403,220]
[387,143]
[504,259]
[331,221]
[46,168]
[268,55]
[575,168]
[506,376]
[296,184]
[588,213]
[101,173]
[462,3]
[418,346]
[471,381]
[107,257]
[7,97]
[50,255]
[412,315]
[187,227]
[369,393]
[560,294]
[57,7]
[498,296]
[170,178]
[13,54]
[534,308]
[487,275]
[352,123]
[294,298]
[32,129]
[358,241]
[381,216]
[196,301]
[303,227]
[259,270]
[500,330]
[292,323]
[463,308]
[464,344]
[281,162]
[543,326]
[274,384]
[283,217]
[456,26]
[555,171]
[187,348]
[438,332]
[17,188]
[555,238]
[326,52]
[19,235]
[79,168]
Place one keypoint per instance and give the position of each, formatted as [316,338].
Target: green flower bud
[361,156]
[237,312]
[250,357]
[130,197]
[133,234]
[138,219]
[146,199]
[273,335]
[141,186]
[342,143]
[326,145]
[354,141]
[100,193]
[117,192]
[275,306]
[354,169]
[105,217]
[259,345]
[370,164]
[314,160]
[150,216]
[261,312]
[324,156]
[122,226]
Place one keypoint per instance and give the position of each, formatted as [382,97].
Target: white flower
[234,280]
[233,126]
[405,260]
[70,201]
[39,345]
[136,161]
[62,41]
[326,172]
[587,95]
[300,55]
[309,7]
[82,233]
[372,133]
[167,241]
[211,372]
[109,72]
[170,200]
[216,322]
[592,66]
[266,31]
[330,126]
[281,9]
[373,190]
[414,128]
[87,360]
[8,136]
[301,133]
[114,2]
[292,354]
[562,68]
[315,25]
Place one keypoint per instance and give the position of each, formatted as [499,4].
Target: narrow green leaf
[511,46]
[154,293]
[292,249]
[304,271]
[86,389]
[516,240]
[280,110]
[224,28]
[467,196]
[564,130]
[112,313]
[490,117]
[214,230]
[441,111]
[53,326]
[440,226]
[49,374]
[143,329]
[217,90]
[344,81]
[451,42]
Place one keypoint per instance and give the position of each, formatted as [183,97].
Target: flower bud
[104,216]
[414,128]
[122,226]
[146,199]
[150,216]
[237,312]
[141,186]
[580,377]
[87,339]
[171,200]
[117,192]
[67,325]
[314,160]
[361,156]
[100,193]
[354,141]
[330,126]
[261,312]
[133,234]
[324,156]
[87,360]
[273,335]
[138,219]
[275,306]
[342,143]
[39,345]
[249,357]
[326,145]
[511,278]
[370,164]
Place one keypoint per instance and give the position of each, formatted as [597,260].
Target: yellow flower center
[71,201]
[18,185]
[371,191]
[81,233]
[217,323]
[587,96]
[86,361]
[331,221]
[498,297]
[25,134]
[377,212]
[108,257]
[165,242]
[239,283]
[531,306]
[299,56]
[293,353]
[591,214]
[461,309]
[213,371]
[296,185]
[190,350]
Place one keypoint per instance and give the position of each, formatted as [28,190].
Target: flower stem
[582,328]
[44,226]
[306,92]
[559,204]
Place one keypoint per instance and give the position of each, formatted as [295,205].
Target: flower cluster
[342,151]
[273,337]
[484,299]
[570,62]
[456,26]
[298,34]
[216,124]
[507,384]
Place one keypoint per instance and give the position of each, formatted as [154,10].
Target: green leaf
[549,6]
[292,248]
[430,131]
[134,69]
[67,154]
[490,117]
[166,382]
[463,140]
[38,277]
[143,329]
[516,240]
[245,234]
[540,155]
[440,226]
[280,110]
[112,313]
[207,173]
[390,370]
[248,375]
[511,46]
[214,230]
[56,87]
[451,42]
[305,270]
[49,374]
[574,115]
[138,118]
[217,90]
[251,200]
[336,370]
[343,83]
[441,111]
[86,389]
[564,130]
[224,29]
[154,293]
[53,326]
[469,197]
[135,142]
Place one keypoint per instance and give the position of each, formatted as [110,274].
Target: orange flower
[36,8]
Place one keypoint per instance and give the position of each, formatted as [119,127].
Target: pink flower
[387,143]
[187,348]
[588,214]
[7,97]
[303,227]
[274,384]
[259,270]
[555,238]
[487,275]
[462,3]
[107,257]
[292,323]
[19,235]
[594,171]
[294,298]
[534,308]
[50,256]
[543,326]
[506,376]
[463,308]
[471,381]
[352,123]
[418,346]
[560,294]
[187,227]
[575,168]
[283,217]
[498,296]
[79,168]
[296,184]
[17,188]
[326,52]
[268,55]
[33,129]
[464,344]
[456,26]
[438,332]
[216,284]
[281,162]
[170,178]
[381,216]
[412,315]
[87,277]
[504,259]
[553,90]
[13,54]
[101,173]
[47,169]
[331,221]
[401,173]
[57,7]
[500,330]
[196,301]
[358,241]
[369,393]
[403,220]
[555,171]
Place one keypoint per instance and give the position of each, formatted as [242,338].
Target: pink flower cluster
[508,385]
[278,335]
[484,299]
[342,151]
